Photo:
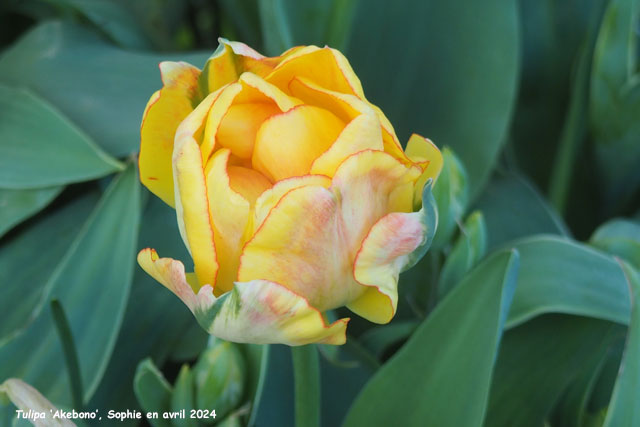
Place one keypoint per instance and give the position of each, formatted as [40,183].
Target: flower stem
[306,374]
[69,349]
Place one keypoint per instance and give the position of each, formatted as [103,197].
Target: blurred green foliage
[522,313]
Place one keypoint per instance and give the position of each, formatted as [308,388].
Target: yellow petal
[223,99]
[383,254]
[370,185]
[240,125]
[256,90]
[247,182]
[192,207]
[300,245]
[325,67]
[288,143]
[424,153]
[164,112]
[269,198]
[259,312]
[362,131]
[229,213]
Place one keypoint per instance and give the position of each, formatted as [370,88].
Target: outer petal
[258,312]
[192,206]
[271,197]
[229,61]
[301,245]
[424,153]
[222,101]
[371,184]
[229,213]
[383,254]
[164,112]
[394,244]
[362,131]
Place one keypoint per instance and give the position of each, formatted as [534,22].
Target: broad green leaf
[257,358]
[153,391]
[620,237]
[447,363]
[562,276]
[513,209]
[615,102]
[182,397]
[623,408]
[380,338]
[92,283]
[39,147]
[470,247]
[26,278]
[111,18]
[536,363]
[190,344]
[18,205]
[552,34]
[245,18]
[414,59]
[451,195]
[101,88]
[154,320]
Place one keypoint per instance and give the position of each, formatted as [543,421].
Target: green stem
[306,374]
[69,349]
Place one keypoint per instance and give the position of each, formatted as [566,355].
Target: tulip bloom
[292,192]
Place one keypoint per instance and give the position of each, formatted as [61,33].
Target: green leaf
[183,398]
[25,290]
[219,378]
[101,88]
[562,276]
[154,320]
[470,247]
[615,102]
[18,205]
[447,363]
[39,147]
[153,391]
[414,57]
[536,363]
[451,196]
[623,408]
[513,208]
[111,18]
[619,237]
[192,341]
[380,338]
[276,404]
[92,283]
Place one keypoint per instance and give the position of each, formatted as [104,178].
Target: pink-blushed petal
[300,245]
[192,206]
[259,311]
[271,197]
[164,112]
[371,184]
[384,253]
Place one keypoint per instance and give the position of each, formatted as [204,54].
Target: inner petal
[288,143]
[249,183]
[240,124]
